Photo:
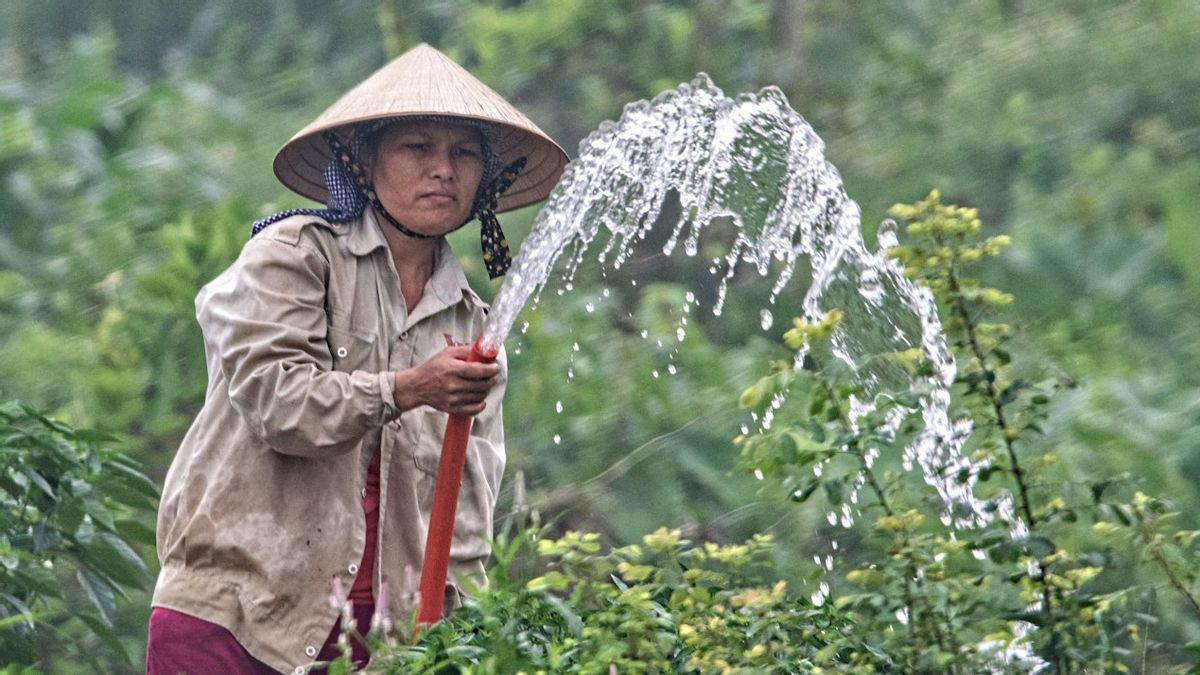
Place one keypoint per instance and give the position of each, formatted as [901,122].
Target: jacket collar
[448,283]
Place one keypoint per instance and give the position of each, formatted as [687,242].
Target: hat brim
[423,82]
[300,164]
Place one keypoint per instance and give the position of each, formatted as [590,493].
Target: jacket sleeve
[265,318]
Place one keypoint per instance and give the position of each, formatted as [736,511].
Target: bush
[69,511]
[1058,571]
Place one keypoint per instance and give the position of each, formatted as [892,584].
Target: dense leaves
[70,509]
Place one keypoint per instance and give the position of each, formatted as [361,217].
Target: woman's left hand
[447,382]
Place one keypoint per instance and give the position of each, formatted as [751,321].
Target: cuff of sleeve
[387,394]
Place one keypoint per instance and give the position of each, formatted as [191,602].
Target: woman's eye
[466,152]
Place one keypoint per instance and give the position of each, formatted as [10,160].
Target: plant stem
[856,451]
[1176,583]
[989,381]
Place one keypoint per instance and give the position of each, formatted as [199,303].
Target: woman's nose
[441,165]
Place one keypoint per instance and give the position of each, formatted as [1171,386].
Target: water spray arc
[755,162]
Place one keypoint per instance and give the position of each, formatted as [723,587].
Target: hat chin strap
[378,206]
[497,257]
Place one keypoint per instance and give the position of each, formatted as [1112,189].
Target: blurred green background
[136,139]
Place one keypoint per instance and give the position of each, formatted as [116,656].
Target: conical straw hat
[424,81]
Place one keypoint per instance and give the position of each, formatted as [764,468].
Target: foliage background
[136,139]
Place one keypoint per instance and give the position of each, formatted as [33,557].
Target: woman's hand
[447,382]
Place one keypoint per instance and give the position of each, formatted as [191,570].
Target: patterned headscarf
[351,190]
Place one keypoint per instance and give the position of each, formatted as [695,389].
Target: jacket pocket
[476,497]
[351,350]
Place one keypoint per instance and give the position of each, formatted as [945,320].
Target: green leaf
[106,635]
[1038,545]
[94,436]
[36,478]
[112,557]
[99,592]
[833,490]
[23,612]
[136,531]
[39,580]
[572,619]
[806,491]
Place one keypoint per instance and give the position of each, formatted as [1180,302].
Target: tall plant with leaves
[72,512]
[1034,588]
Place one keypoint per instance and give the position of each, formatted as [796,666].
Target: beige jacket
[262,507]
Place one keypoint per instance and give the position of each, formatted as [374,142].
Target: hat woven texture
[421,82]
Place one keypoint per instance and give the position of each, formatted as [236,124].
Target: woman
[336,346]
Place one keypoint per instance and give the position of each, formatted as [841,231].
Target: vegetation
[70,510]
[134,153]
[1056,579]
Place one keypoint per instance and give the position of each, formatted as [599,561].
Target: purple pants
[181,643]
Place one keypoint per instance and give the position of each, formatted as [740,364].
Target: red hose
[445,504]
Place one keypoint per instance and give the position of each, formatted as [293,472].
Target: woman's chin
[436,227]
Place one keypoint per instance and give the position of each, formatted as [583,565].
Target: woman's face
[426,174]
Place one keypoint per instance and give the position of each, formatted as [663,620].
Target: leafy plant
[1060,575]
[71,511]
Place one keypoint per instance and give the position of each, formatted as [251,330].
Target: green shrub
[1066,572]
[69,511]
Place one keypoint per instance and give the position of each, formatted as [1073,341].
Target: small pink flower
[381,620]
[338,598]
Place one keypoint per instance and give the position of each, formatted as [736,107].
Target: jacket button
[363,493]
[341,352]
[353,568]
[404,335]
[310,651]
[298,671]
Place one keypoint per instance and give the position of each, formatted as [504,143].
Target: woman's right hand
[447,382]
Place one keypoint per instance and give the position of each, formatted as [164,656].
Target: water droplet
[645,333]
[557,439]
[524,327]
[671,369]
[558,407]
[680,334]
[655,374]
[575,347]
[606,293]
[902,615]
[758,474]
[690,297]
[570,373]
[590,307]
[766,319]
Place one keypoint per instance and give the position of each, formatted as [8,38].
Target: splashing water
[756,162]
